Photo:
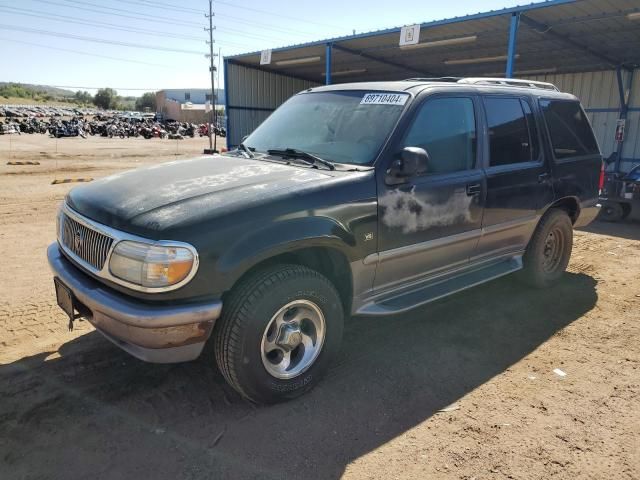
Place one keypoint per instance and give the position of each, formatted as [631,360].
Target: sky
[146,45]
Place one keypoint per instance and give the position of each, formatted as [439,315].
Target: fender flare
[559,202]
[283,237]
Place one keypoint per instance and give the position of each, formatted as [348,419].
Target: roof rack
[503,82]
[434,79]
[509,82]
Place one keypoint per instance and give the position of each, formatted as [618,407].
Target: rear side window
[571,135]
[510,138]
[446,129]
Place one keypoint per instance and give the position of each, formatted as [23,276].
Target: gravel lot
[72,406]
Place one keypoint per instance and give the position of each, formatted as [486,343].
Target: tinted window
[570,132]
[446,128]
[508,132]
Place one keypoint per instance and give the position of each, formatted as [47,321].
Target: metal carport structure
[588,47]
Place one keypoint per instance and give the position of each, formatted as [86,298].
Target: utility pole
[212,69]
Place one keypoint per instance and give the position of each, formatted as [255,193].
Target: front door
[432,223]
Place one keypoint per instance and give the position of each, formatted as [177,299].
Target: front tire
[279,330]
[549,250]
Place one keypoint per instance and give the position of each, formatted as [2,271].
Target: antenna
[213,122]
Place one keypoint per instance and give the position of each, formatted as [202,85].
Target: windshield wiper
[302,155]
[245,150]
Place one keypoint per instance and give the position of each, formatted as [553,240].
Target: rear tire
[611,212]
[549,250]
[279,330]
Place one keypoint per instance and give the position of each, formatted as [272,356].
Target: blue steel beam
[327,69]
[624,110]
[513,41]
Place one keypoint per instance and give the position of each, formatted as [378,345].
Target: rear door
[517,173]
[576,168]
[432,222]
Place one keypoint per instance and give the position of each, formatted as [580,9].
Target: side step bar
[415,297]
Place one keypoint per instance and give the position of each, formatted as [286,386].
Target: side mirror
[413,161]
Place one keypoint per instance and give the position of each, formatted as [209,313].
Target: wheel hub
[553,250]
[293,339]
[289,336]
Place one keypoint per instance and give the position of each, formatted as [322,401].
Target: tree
[147,100]
[106,98]
[83,97]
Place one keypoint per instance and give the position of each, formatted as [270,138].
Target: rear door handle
[473,189]
[543,177]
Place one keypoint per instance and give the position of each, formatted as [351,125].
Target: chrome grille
[84,242]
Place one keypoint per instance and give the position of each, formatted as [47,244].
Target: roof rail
[509,82]
[433,79]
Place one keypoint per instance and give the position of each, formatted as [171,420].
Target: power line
[168,6]
[250,35]
[262,26]
[81,21]
[140,62]
[279,15]
[156,19]
[110,26]
[96,40]
[266,12]
[134,17]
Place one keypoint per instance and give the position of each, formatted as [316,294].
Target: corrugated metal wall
[252,95]
[598,92]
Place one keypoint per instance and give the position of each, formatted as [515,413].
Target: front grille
[86,243]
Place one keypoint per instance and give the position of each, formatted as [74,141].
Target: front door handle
[473,189]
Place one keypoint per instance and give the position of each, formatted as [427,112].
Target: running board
[407,300]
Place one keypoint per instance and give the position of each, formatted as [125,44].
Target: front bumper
[153,333]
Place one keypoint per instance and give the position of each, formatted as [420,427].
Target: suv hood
[170,194]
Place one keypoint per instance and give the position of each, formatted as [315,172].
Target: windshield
[340,126]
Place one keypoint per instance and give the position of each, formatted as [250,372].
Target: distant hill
[43,89]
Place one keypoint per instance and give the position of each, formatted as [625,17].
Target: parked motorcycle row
[44,111]
[108,126]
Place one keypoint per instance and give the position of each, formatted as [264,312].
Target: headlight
[151,265]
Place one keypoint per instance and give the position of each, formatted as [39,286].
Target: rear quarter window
[569,129]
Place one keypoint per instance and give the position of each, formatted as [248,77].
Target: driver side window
[446,129]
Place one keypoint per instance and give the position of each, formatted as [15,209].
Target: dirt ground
[72,406]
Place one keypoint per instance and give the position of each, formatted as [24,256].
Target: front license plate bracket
[66,301]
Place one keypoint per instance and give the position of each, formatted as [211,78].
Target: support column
[225,76]
[328,49]
[513,40]
[624,110]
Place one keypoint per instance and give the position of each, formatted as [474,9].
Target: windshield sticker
[384,99]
